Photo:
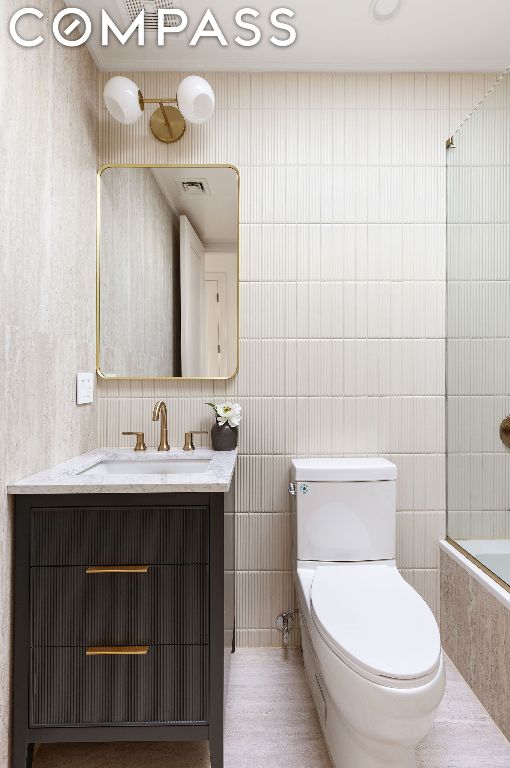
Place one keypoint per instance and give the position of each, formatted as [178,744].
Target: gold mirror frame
[113,377]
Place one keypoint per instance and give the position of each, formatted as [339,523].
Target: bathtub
[486,561]
[493,554]
[475,619]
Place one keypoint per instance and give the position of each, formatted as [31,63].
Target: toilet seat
[374,621]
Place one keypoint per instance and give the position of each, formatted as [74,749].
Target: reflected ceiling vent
[194,187]
[151,8]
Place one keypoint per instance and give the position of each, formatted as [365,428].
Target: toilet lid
[375,620]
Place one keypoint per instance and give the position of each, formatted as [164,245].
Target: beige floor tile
[271,723]
[464,735]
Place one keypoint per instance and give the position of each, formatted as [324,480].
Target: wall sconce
[194,102]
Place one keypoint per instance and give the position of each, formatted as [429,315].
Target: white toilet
[371,645]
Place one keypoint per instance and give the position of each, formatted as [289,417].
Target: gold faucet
[160,412]
[140,440]
[188,440]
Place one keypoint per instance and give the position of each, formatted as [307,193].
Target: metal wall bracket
[284,624]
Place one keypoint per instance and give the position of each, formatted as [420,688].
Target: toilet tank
[345,509]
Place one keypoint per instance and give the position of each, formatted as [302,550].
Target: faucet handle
[188,440]
[140,440]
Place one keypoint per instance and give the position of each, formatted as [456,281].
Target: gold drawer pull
[117,569]
[118,650]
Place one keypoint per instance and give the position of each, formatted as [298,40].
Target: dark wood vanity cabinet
[124,619]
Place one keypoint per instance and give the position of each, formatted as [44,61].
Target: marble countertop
[72,477]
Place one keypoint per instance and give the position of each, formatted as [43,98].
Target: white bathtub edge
[482,578]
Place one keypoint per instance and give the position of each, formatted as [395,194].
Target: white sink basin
[148,467]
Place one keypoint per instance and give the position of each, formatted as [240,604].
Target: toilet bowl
[371,644]
[375,646]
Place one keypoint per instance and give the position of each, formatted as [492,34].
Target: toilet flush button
[84,388]
[304,488]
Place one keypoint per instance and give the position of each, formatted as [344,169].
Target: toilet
[371,644]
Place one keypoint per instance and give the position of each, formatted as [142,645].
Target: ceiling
[333,35]
[214,215]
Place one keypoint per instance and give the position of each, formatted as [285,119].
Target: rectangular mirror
[167,272]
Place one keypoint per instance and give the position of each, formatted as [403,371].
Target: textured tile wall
[478,326]
[47,267]
[342,299]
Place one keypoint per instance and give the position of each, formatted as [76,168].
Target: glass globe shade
[195,98]
[121,99]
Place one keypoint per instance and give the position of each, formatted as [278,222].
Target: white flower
[229,412]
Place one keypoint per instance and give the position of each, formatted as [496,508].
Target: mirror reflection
[168,272]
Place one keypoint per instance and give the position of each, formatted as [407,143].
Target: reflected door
[212,328]
[216,324]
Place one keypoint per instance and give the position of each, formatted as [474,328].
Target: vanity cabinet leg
[30,755]
[22,754]
[216,750]
[216,630]
[21,751]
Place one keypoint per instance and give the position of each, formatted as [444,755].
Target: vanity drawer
[166,685]
[118,535]
[168,604]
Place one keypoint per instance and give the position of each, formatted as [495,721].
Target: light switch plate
[84,388]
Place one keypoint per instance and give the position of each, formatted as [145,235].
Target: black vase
[224,438]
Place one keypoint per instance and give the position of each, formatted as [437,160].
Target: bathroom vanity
[124,600]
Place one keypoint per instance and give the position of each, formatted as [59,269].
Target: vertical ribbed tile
[478,309]
[342,293]
[486,524]
[276,421]
[418,536]
[426,583]
[261,483]
[320,367]
[268,310]
[473,424]
[478,482]
[478,251]
[466,91]
[394,425]
[261,596]
[268,638]
[478,366]
[263,368]
[264,542]
[421,481]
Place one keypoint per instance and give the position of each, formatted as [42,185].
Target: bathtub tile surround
[475,630]
[342,299]
[47,268]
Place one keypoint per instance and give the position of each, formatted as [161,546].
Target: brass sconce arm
[194,102]
[144,101]
[167,123]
